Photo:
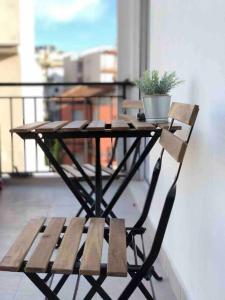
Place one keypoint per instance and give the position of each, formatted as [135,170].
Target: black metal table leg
[83,173]
[98,178]
[42,286]
[75,190]
[130,174]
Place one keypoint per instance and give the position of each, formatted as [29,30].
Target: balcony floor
[22,199]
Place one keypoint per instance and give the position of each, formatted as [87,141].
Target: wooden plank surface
[51,127]
[92,169]
[167,125]
[96,125]
[39,260]
[127,117]
[65,259]
[74,126]
[132,104]
[117,255]
[71,171]
[120,125]
[28,127]
[175,146]
[110,171]
[143,125]
[17,252]
[183,112]
[91,260]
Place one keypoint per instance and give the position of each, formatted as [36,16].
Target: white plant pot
[156,108]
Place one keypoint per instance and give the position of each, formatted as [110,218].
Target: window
[78,115]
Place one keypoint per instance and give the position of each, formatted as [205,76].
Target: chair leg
[60,283]
[96,286]
[156,275]
[100,281]
[42,286]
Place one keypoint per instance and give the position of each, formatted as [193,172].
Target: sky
[75,25]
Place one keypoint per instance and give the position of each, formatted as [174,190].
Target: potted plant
[155,97]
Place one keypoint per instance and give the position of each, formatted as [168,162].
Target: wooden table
[42,132]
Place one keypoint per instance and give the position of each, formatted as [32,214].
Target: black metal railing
[22,103]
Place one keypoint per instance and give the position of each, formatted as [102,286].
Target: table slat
[39,260]
[143,125]
[17,252]
[120,125]
[91,259]
[51,127]
[96,125]
[117,256]
[74,126]
[65,259]
[28,127]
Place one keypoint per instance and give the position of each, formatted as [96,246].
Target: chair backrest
[132,104]
[185,113]
[176,147]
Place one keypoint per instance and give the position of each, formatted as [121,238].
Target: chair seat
[89,169]
[45,257]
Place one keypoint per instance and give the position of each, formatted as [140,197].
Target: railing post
[124,139]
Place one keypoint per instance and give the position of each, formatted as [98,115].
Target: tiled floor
[22,199]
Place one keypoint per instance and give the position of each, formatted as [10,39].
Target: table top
[89,129]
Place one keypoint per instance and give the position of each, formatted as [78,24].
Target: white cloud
[68,10]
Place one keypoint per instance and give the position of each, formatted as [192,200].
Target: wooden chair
[130,105]
[74,257]
[127,107]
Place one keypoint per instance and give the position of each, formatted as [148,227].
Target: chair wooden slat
[117,256]
[143,125]
[175,146]
[91,259]
[128,118]
[167,125]
[183,112]
[96,125]
[74,126]
[65,259]
[92,169]
[28,127]
[132,104]
[39,260]
[120,125]
[17,252]
[51,127]
[110,171]
[71,171]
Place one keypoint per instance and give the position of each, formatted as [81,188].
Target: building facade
[17,64]
[95,65]
[90,102]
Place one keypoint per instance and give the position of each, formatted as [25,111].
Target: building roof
[81,92]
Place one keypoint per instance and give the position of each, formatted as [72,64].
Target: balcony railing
[22,103]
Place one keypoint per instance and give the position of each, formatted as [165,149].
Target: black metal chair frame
[147,269]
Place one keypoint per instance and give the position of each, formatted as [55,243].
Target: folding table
[42,132]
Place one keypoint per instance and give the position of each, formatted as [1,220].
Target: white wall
[189,37]
[30,72]
[128,36]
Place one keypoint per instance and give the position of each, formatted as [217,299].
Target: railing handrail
[118,83]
